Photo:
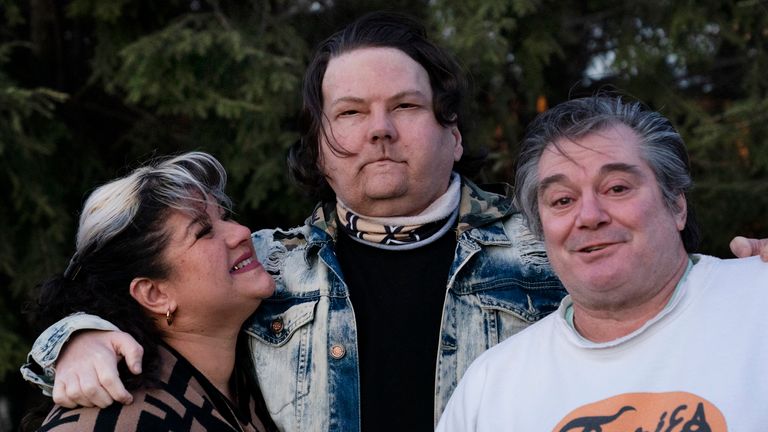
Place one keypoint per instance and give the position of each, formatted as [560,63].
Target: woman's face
[215,278]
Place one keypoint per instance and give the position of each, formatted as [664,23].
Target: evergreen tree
[90,88]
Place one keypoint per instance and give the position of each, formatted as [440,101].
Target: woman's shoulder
[176,400]
[161,408]
[116,417]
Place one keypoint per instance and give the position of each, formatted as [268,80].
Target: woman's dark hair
[120,237]
[375,30]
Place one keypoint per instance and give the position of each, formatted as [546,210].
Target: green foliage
[29,209]
[11,13]
[90,88]
[700,63]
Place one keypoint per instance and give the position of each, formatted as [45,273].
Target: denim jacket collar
[481,213]
[480,216]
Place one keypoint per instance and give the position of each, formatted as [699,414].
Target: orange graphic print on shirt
[646,412]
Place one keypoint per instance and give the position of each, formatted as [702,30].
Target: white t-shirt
[699,365]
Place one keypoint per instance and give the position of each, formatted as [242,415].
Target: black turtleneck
[398,300]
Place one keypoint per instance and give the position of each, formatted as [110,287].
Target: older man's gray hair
[661,147]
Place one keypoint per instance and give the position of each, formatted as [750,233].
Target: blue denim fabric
[47,346]
[304,338]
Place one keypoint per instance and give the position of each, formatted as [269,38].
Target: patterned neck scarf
[402,233]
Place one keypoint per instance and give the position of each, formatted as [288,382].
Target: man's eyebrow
[400,95]
[549,181]
[349,99]
[622,167]
[604,170]
[408,93]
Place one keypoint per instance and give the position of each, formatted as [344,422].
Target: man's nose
[381,127]
[592,212]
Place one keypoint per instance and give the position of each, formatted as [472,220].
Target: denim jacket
[304,337]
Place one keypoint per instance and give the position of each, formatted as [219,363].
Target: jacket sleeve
[41,360]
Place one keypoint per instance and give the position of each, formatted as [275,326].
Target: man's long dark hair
[376,30]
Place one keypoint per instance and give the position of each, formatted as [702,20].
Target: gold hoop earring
[169,317]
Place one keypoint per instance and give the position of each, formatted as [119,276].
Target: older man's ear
[744,247]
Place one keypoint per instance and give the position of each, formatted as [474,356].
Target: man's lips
[382,160]
[594,247]
[588,246]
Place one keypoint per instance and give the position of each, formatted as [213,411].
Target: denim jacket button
[338,351]
[277,326]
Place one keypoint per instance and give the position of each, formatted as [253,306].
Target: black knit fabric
[398,298]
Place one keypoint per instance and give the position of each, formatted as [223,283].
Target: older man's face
[378,106]
[608,234]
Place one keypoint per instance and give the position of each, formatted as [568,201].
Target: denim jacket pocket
[507,311]
[483,313]
[281,344]
[527,304]
[276,321]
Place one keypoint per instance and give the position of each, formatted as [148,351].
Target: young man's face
[609,235]
[377,104]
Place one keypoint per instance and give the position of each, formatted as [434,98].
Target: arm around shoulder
[85,371]
[40,366]
[743,247]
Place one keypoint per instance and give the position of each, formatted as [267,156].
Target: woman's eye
[206,229]
[348,113]
[406,105]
